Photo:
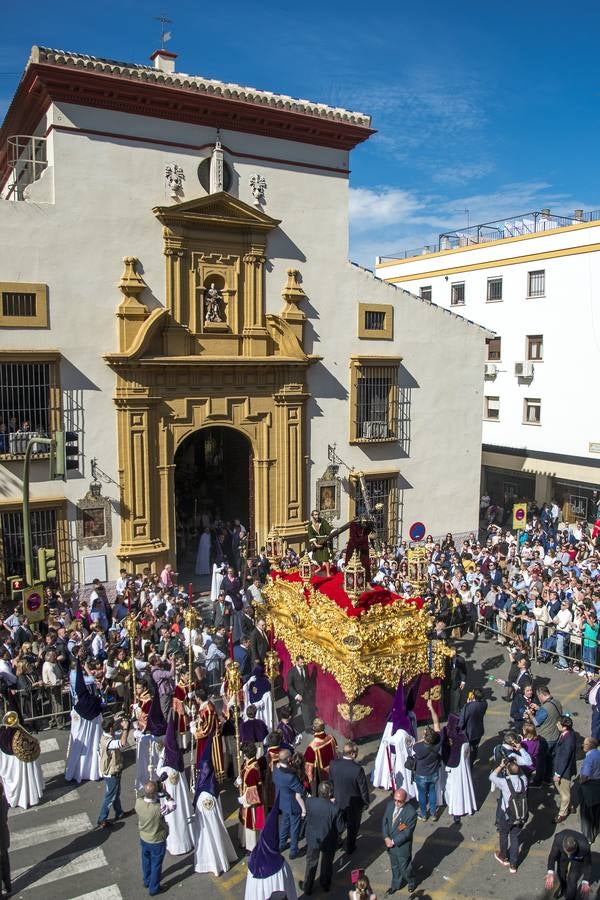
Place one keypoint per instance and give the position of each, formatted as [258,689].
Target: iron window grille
[27,391]
[425,292]
[374,320]
[380,491]
[536,283]
[43,533]
[457,293]
[494,289]
[375,402]
[19,305]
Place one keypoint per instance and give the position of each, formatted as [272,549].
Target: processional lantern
[354,578]
[274,546]
[305,568]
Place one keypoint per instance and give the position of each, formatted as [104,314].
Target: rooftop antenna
[467,213]
[164,35]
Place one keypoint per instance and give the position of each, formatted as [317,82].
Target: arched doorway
[214,484]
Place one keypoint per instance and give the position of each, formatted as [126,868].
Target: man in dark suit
[399,822]
[241,654]
[570,861]
[291,803]
[259,643]
[300,692]
[565,765]
[350,791]
[471,720]
[221,612]
[324,822]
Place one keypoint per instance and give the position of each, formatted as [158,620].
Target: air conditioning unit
[374,430]
[490,369]
[524,369]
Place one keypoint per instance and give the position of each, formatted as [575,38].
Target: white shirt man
[98,644]
[121,585]
[563,618]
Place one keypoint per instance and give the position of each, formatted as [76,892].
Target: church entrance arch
[214,486]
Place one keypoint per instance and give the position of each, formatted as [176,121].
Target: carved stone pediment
[217,210]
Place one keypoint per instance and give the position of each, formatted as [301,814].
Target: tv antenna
[164,34]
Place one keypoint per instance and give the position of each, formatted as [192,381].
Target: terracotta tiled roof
[196,83]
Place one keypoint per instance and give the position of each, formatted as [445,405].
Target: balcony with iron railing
[27,161]
[536,222]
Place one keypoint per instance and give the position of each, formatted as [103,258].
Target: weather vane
[164,35]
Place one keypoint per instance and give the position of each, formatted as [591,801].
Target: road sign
[33,604]
[416,531]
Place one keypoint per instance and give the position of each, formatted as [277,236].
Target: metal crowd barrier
[35,704]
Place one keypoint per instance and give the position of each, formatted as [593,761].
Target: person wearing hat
[112,744]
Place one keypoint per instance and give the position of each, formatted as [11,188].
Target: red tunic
[317,758]
[144,702]
[206,726]
[252,815]
[182,720]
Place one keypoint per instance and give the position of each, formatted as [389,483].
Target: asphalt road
[57,853]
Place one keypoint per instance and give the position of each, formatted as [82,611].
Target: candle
[129,600]
[190,590]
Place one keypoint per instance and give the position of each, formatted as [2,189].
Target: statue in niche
[212,305]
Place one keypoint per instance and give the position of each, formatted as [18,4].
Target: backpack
[517,811]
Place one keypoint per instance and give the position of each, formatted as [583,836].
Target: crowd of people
[535,591]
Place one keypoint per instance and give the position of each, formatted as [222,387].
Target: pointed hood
[205,774]
[88,705]
[173,753]
[400,719]
[156,725]
[266,860]
[259,685]
[452,741]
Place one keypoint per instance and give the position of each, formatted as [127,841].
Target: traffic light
[64,454]
[16,585]
[47,564]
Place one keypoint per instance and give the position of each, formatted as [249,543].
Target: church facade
[176,294]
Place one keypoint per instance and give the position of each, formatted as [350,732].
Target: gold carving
[354,712]
[372,648]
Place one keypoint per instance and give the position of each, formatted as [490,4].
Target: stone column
[254,333]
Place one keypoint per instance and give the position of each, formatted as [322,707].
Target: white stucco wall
[567,316]
[104,188]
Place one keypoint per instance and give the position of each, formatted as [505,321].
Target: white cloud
[385,221]
[374,208]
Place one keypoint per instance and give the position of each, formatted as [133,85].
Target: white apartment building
[533,280]
[176,292]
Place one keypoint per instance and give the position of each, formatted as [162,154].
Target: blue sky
[487,107]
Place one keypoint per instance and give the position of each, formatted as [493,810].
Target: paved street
[57,853]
